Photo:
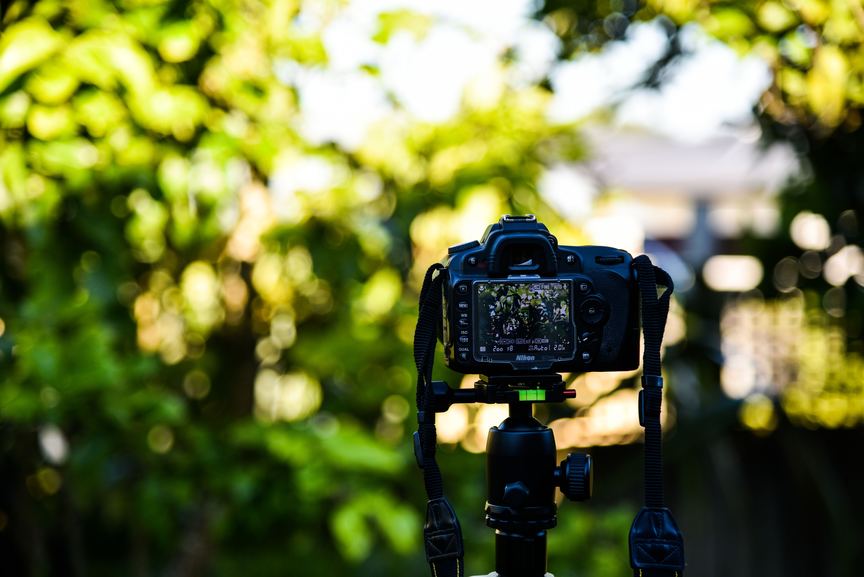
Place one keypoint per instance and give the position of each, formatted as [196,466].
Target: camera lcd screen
[523,321]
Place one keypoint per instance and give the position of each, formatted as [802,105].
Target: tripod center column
[520,476]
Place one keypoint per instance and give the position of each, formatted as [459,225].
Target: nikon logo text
[525,357]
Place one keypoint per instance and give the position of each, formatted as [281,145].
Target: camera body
[518,303]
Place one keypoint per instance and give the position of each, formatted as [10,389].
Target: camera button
[463,355]
[584,287]
[464,340]
[586,357]
[593,310]
[463,322]
[463,289]
[462,305]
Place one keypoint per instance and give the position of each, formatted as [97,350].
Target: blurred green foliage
[206,319]
[198,375]
[813,47]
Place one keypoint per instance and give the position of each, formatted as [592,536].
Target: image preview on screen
[524,320]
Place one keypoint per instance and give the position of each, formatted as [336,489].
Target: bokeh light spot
[160,439]
[810,231]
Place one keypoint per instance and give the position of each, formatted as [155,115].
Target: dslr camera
[518,302]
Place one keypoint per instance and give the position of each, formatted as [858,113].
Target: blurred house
[694,197]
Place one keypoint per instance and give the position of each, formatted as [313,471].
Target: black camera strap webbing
[441,532]
[656,543]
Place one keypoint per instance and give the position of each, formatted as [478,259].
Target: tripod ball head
[575,476]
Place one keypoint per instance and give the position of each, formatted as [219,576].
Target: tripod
[521,471]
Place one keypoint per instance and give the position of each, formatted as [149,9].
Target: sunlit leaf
[200,289]
[179,41]
[174,177]
[679,10]
[842,27]
[13,109]
[289,446]
[380,294]
[106,58]
[794,84]
[400,524]
[826,84]
[23,45]
[175,110]
[729,23]
[145,229]
[775,17]
[351,531]
[50,122]
[795,47]
[99,111]
[52,84]
[814,12]
[352,449]
[407,21]
[58,157]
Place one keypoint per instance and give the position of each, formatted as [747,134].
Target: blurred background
[214,220]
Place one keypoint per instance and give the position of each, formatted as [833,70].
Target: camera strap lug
[656,544]
[442,537]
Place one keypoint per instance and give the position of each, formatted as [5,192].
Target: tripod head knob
[575,476]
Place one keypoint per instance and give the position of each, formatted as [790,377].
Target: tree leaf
[23,46]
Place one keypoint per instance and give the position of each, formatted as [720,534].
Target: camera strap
[441,533]
[656,543]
